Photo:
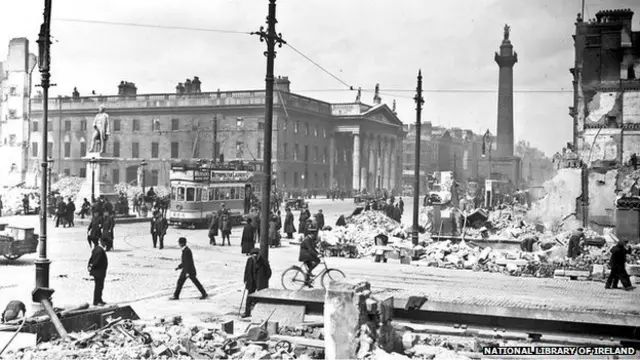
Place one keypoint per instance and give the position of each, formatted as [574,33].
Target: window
[67,149]
[306,129]
[295,152]
[239,150]
[115,176]
[50,148]
[116,149]
[324,132]
[260,126]
[315,131]
[154,150]
[67,125]
[154,177]
[175,150]
[259,150]
[285,148]
[175,124]
[205,194]
[198,194]
[136,125]
[296,127]
[83,148]
[83,125]
[116,125]
[135,150]
[315,153]
[34,149]
[239,123]
[180,194]
[306,153]
[155,124]
[324,155]
[83,172]
[49,125]
[295,179]
[67,172]
[34,126]
[286,125]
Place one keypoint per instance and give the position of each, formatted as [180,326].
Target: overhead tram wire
[100,22]
[349,87]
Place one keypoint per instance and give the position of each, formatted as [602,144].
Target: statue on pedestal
[507,30]
[101,131]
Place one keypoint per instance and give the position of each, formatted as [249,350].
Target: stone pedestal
[102,187]
[355,323]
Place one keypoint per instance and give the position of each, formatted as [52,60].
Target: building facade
[606,83]
[316,145]
[15,94]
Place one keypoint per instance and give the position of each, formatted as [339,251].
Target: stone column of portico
[372,164]
[332,160]
[385,163]
[378,169]
[394,175]
[364,163]
[356,161]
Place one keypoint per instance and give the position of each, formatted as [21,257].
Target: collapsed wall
[602,197]
[560,199]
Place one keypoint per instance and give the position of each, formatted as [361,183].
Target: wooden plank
[284,315]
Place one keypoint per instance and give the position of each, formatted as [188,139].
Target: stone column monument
[506,59]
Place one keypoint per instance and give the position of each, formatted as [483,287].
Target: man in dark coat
[71,211]
[302,221]
[248,241]
[159,225]
[401,205]
[308,252]
[108,206]
[213,229]
[61,213]
[574,244]
[108,224]
[188,271]
[289,229]
[618,270]
[25,204]
[257,272]
[85,209]
[320,220]
[94,231]
[97,267]
[255,222]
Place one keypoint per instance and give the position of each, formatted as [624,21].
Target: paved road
[145,276]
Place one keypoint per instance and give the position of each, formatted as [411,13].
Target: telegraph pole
[271,38]
[44,42]
[416,181]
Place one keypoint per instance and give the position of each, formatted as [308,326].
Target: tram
[198,190]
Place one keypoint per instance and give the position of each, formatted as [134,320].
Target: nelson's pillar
[505,59]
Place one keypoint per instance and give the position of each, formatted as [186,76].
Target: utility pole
[416,181]
[215,138]
[271,38]
[44,59]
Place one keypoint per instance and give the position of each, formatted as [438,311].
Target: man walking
[70,213]
[320,220]
[94,231]
[188,271]
[61,213]
[257,273]
[108,224]
[618,270]
[159,227]
[97,267]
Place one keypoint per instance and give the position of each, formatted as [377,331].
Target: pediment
[383,114]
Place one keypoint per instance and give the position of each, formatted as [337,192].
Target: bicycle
[294,277]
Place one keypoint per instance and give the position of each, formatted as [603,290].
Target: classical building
[15,94]
[606,83]
[441,149]
[315,144]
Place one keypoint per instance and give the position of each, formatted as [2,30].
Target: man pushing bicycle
[308,251]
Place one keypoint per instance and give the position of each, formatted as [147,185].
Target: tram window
[173,193]
[180,194]
[198,194]
[241,191]
[232,193]
[190,194]
[205,194]
[223,193]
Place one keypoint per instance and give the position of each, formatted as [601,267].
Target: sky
[361,42]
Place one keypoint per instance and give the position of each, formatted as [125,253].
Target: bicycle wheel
[331,275]
[293,278]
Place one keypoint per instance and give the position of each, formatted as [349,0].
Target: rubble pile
[126,339]
[68,187]
[628,180]
[357,238]
[12,199]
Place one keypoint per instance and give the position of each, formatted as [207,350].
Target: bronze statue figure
[101,130]
[507,29]
[359,95]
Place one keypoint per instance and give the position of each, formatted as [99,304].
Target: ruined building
[606,82]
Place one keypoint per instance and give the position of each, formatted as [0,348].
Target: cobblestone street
[145,277]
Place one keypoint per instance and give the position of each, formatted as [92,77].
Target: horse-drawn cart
[17,241]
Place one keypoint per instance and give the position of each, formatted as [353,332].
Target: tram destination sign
[222,176]
[201,175]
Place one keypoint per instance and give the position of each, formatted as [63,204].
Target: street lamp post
[93,163]
[143,165]
[50,162]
